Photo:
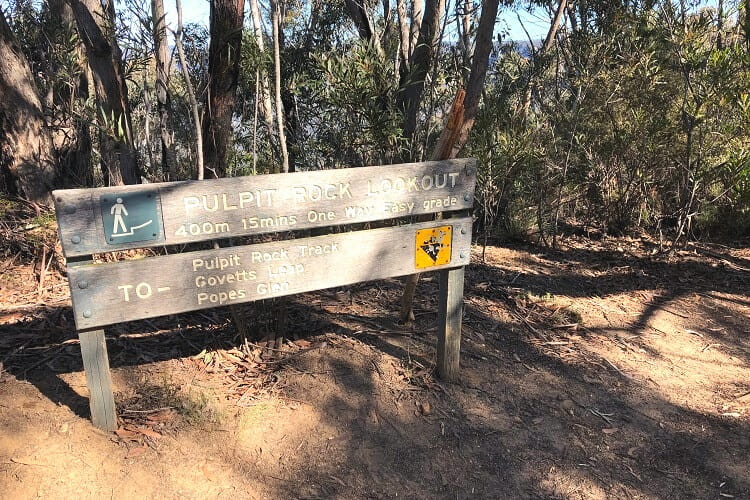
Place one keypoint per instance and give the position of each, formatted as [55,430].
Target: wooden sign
[94,221]
[109,219]
[113,293]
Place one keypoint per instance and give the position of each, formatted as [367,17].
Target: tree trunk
[404,37]
[266,108]
[96,27]
[548,41]
[479,64]
[223,71]
[463,19]
[410,96]
[276,327]
[223,68]
[72,134]
[417,15]
[387,22]
[363,22]
[161,57]
[415,56]
[720,25]
[276,21]
[26,152]
[460,121]
[191,95]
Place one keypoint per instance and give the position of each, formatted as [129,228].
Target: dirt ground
[599,370]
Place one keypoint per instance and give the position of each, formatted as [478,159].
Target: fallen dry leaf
[162,416]
[148,432]
[126,434]
[136,452]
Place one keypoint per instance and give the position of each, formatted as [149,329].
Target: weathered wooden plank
[114,218]
[450,308]
[98,379]
[98,376]
[106,294]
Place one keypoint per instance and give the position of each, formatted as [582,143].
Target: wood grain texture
[98,379]
[450,309]
[222,208]
[96,366]
[112,293]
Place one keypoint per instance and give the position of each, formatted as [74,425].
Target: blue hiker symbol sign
[129,217]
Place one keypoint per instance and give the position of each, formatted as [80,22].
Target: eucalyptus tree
[163,71]
[96,26]
[224,51]
[26,150]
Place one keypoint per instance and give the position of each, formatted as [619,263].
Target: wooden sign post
[93,221]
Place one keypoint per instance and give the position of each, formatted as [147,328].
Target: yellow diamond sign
[433,246]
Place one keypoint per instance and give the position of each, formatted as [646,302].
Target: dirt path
[598,371]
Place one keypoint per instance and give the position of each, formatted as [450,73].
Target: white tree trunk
[191,95]
[276,21]
[266,108]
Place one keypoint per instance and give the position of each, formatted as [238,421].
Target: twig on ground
[603,416]
[681,315]
[617,369]
[155,410]
[43,360]
[37,305]
[15,351]
[287,358]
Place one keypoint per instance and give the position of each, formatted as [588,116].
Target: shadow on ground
[362,415]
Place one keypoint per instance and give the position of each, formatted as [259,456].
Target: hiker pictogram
[117,210]
[129,217]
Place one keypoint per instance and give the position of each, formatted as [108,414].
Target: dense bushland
[628,115]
